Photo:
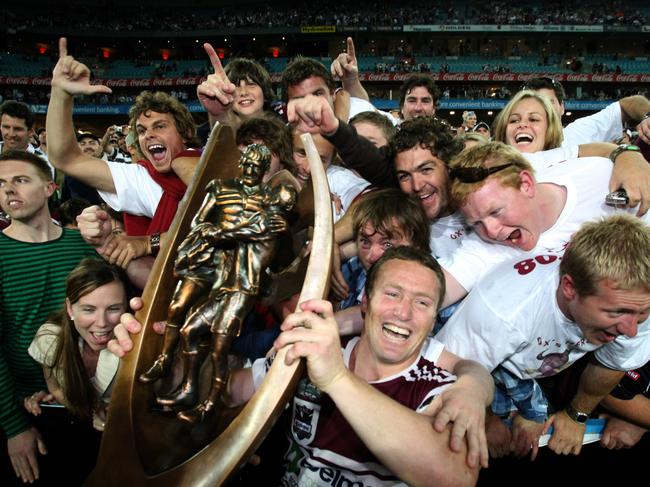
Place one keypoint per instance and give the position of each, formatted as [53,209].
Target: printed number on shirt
[527,266]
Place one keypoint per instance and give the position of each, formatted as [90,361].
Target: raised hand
[95,225]
[73,77]
[313,334]
[216,93]
[345,66]
[312,114]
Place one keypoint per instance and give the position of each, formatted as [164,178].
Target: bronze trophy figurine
[232,241]
[204,281]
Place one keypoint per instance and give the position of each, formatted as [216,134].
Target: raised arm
[631,172]
[216,93]
[69,78]
[314,115]
[345,66]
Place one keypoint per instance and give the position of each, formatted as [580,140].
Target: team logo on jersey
[304,421]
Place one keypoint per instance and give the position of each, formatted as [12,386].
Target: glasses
[475,174]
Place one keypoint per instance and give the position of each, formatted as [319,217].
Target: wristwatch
[154,243]
[623,148]
[575,415]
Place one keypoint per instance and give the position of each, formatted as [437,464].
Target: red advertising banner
[370,77]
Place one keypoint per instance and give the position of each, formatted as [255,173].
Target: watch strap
[623,148]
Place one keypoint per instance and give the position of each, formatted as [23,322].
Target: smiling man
[381,392]
[147,192]
[536,316]
[17,128]
[418,96]
[421,150]
[365,401]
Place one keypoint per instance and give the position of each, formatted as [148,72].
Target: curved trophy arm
[246,432]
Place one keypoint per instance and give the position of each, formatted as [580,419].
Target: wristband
[154,243]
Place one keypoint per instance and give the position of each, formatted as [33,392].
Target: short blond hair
[616,248]
[487,155]
[554,134]
[473,137]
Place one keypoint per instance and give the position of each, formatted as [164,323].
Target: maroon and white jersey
[325,450]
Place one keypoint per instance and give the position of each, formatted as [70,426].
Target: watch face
[575,415]
[581,417]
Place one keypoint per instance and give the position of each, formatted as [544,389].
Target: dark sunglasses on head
[475,174]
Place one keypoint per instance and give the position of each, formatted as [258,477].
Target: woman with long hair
[529,123]
[78,368]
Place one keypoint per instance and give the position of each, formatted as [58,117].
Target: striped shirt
[32,285]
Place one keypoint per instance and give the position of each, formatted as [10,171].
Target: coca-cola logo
[378,77]
[140,82]
[186,81]
[603,77]
[626,78]
[503,77]
[17,81]
[116,82]
[162,82]
[454,77]
[41,81]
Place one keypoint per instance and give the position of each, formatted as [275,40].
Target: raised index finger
[63,47]
[351,52]
[214,60]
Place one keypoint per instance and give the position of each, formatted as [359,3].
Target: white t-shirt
[42,350]
[136,193]
[345,185]
[586,182]
[512,318]
[603,126]
[447,233]
[358,105]
[542,160]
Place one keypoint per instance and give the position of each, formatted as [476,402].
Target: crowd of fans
[544,336]
[347,15]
